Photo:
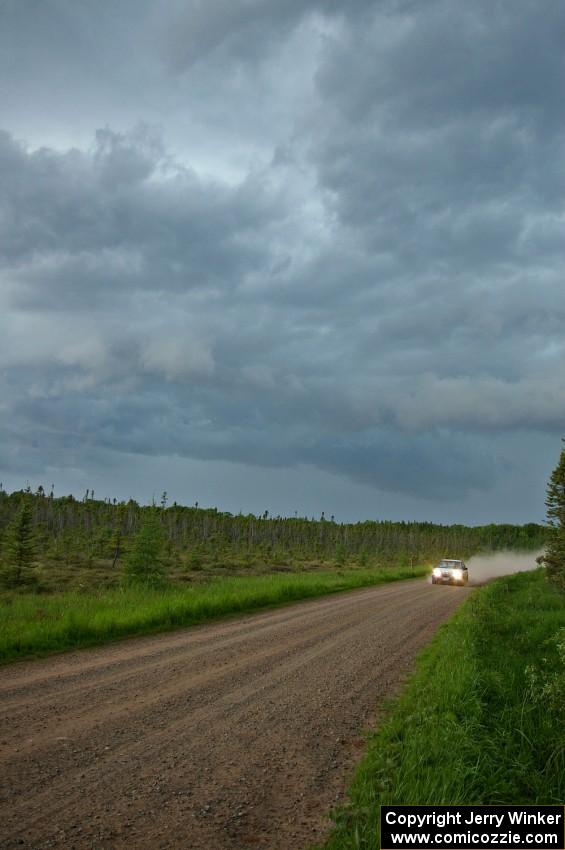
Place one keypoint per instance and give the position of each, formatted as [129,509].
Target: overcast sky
[295,255]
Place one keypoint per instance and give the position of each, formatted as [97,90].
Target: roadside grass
[33,625]
[482,719]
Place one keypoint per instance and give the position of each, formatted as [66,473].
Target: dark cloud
[299,236]
[244,31]
[121,215]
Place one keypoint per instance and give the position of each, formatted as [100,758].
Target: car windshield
[451,565]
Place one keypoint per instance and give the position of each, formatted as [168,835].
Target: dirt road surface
[239,734]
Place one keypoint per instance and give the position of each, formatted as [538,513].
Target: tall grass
[482,719]
[37,625]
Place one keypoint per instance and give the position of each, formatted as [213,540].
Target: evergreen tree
[144,562]
[19,550]
[554,557]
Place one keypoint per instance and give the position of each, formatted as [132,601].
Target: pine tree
[554,557]
[144,562]
[19,550]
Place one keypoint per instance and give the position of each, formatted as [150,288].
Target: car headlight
[457,575]
[437,572]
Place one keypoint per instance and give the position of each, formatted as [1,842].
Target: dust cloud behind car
[482,568]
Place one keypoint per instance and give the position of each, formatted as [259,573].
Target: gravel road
[239,734]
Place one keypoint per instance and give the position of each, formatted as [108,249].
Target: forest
[73,543]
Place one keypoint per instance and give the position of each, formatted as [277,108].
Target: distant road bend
[231,735]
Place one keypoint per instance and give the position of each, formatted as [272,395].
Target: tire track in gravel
[237,734]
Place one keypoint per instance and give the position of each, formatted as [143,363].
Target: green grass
[482,719]
[37,625]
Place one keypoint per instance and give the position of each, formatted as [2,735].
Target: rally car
[450,571]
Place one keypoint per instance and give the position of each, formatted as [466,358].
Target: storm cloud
[318,239]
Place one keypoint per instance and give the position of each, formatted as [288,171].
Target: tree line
[39,527]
